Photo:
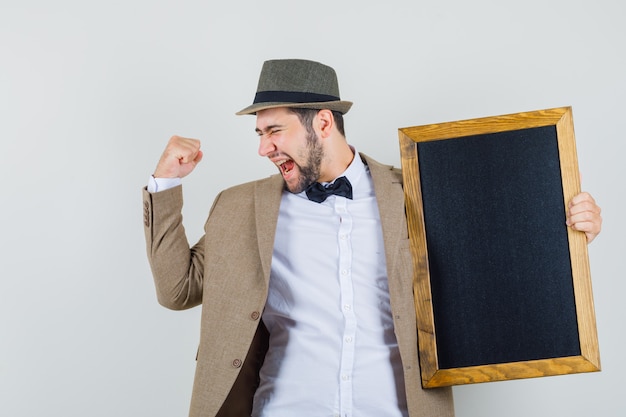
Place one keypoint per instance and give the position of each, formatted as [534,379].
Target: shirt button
[348,339]
[347,307]
[255,315]
[345,377]
[237,363]
[344,272]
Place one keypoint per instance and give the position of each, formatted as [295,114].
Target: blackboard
[502,286]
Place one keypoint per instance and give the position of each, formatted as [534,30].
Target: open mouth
[286,166]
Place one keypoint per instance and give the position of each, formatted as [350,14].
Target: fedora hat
[297,83]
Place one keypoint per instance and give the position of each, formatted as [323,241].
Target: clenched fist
[180,157]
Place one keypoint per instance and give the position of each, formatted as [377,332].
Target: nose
[266,146]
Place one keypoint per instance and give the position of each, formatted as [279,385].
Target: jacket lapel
[390,197]
[267,195]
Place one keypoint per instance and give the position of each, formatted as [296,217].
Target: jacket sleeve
[177,268]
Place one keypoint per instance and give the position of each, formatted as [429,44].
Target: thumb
[198,158]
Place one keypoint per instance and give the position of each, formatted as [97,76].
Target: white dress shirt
[333,350]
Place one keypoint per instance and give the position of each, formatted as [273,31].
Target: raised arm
[177,269]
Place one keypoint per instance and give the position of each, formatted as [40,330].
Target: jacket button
[255,315]
[146,214]
[237,363]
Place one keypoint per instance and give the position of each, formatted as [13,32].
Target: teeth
[280,163]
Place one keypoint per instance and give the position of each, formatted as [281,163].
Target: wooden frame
[585,356]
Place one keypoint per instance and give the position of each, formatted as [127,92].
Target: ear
[324,122]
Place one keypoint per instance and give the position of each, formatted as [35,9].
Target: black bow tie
[318,192]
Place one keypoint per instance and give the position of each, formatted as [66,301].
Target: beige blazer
[228,272]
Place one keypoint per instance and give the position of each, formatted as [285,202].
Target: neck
[337,160]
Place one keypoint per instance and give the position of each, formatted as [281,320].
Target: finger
[581,203]
[583,197]
[191,156]
[584,216]
[591,227]
[184,149]
[584,207]
[588,228]
[198,157]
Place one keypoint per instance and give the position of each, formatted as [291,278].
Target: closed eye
[269,132]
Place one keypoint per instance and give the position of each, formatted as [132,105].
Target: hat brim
[340,106]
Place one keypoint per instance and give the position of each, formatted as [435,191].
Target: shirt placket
[347,306]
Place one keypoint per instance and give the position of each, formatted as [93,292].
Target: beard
[309,173]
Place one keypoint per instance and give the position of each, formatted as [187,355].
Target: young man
[306,288]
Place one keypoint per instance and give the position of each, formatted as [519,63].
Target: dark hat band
[292,97]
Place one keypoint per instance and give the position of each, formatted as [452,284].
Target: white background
[90,92]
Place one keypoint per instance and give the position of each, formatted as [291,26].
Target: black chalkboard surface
[502,286]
